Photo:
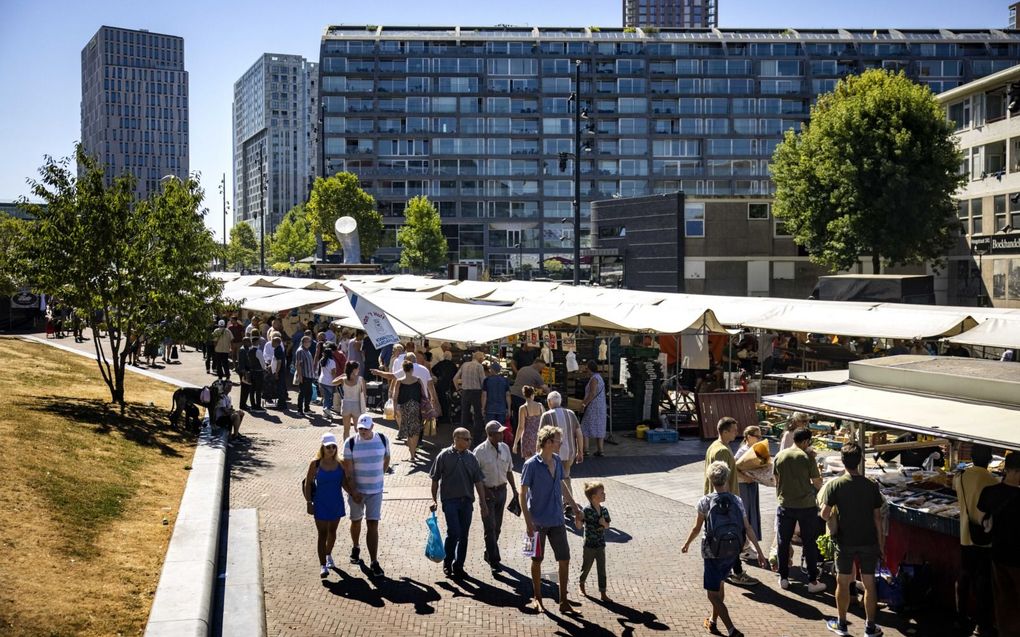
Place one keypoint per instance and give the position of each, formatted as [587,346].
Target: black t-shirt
[443,372]
[523,358]
[371,354]
[1002,502]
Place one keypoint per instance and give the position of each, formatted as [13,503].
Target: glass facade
[477,119]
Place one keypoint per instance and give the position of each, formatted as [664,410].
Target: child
[596,521]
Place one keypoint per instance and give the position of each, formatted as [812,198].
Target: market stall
[945,405]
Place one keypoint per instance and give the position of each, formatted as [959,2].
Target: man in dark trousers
[456,477]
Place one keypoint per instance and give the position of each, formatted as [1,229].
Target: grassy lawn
[84,494]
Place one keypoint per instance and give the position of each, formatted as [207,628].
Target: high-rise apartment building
[134,104]
[476,118]
[274,118]
[671,14]
[1012,14]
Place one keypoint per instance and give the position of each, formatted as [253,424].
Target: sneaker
[329,562]
[741,579]
[784,583]
[816,587]
[873,631]
[838,627]
[376,570]
[749,556]
[324,573]
[356,555]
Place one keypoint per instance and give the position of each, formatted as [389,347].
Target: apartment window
[999,207]
[633,105]
[959,114]
[963,214]
[995,104]
[976,216]
[1014,210]
[779,229]
[758,211]
[694,220]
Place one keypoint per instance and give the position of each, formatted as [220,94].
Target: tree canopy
[872,173]
[243,247]
[421,240]
[13,259]
[293,238]
[341,196]
[139,266]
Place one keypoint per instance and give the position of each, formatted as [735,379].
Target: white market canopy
[242,293]
[825,377]
[993,332]
[822,318]
[290,300]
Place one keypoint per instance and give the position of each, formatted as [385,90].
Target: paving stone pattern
[655,589]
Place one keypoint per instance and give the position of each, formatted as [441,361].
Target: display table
[917,545]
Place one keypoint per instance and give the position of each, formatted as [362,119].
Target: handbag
[428,410]
[979,534]
[173,353]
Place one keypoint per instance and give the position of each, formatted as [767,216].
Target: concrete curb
[184,596]
[244,606]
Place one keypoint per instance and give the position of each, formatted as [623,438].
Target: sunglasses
[333,447]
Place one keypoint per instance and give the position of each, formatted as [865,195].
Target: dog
[187,400]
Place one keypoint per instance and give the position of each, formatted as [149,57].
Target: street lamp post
[223,191]
[262,211]
[577,172]
[520,257]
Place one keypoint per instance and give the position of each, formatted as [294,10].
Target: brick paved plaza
[651,490]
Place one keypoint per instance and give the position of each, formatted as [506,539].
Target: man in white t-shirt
[572,447]
[366,457]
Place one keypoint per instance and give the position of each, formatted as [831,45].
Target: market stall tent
[243,293]
[290,300]
[993,332]
[822,318]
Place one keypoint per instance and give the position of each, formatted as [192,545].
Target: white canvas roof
[224,276]
[502,323]
[242,281]
[951,418]
[292,282]
[246,292]
[289,300]
[822,317]
[827,377]
[993,332]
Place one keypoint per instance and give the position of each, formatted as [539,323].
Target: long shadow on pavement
[247,456]
[377,592]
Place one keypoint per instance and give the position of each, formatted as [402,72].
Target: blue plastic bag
[434,544]
[315,391]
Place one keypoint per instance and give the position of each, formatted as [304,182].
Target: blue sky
[41,42]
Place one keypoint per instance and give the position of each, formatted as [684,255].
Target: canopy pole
[609,388]
[861,440]
[676,388]
[729,366]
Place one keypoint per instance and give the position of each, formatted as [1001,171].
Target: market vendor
[915,457]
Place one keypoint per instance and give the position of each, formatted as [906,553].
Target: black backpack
[724,527]
[386,443]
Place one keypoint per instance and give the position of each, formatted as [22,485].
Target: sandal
[711,626]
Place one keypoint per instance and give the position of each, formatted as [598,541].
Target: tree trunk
[876,263]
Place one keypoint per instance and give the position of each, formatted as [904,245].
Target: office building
[1012,15]
[274,123]
[984,267]
[671,14]
[476,118]
[134,104]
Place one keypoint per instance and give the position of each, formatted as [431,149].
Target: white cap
[329,439]
[365,422]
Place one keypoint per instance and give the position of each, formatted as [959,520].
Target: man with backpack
[719,451]
[366,457]
[855,503]
[726,530]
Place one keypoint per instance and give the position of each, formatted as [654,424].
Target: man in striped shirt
[304,375]
[366,457]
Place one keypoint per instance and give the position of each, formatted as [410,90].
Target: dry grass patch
[84,494]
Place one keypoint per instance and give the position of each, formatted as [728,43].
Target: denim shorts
[370,507]
[716,570]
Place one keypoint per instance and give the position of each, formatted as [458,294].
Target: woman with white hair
[572,448]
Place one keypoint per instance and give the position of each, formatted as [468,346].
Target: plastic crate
[662,435]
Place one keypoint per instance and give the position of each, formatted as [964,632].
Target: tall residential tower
[673,14]
[275,119]
[134,104]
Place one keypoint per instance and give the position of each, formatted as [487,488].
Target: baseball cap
[365,422]
[222,323]
[493,427]
[329,439]
[496,367]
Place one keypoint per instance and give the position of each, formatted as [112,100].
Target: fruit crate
[662,435]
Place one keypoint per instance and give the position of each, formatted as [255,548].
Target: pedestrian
[456,477]
[975,557]
[469,380]
[543,489]
[719,451]
[407,394]
[530,414]
[494,458]
[366,458]
[244,371]
[571,450]
[530,375]
[354,350]
[324,485]
[1000,506]
[236,334]
[798,420]
[280,371]
[797,484]
[857,504]
[209,348]
[726,527]
[495,394]
[353,396]
[327,374]
[304,375]
[224,414]
[593,421]
[596,521]
[222,339]
[750,456]
[444,371]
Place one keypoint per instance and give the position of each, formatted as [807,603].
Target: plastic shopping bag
[434,544]
[530,545]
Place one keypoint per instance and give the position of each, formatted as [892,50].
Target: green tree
[140,265]
[13,258]
[553,266]
[872,173]
[293,237]
[421,240]
[243,247]
[341,196]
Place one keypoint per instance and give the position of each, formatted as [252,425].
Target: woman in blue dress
[323,487]
[593,422]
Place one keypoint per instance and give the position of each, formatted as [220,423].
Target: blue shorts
[716,570]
